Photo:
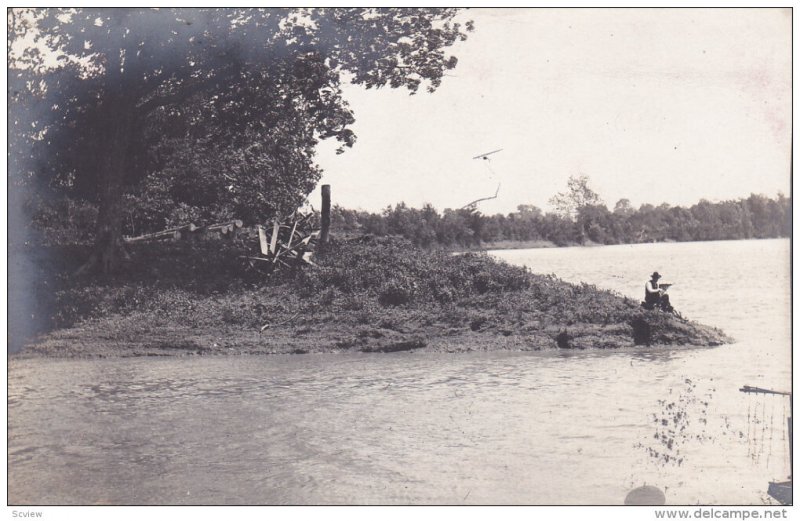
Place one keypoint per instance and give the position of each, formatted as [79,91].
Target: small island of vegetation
[369,294]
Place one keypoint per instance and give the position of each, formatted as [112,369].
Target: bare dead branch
[476,201]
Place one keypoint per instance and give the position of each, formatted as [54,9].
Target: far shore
[531,245]
[518,245]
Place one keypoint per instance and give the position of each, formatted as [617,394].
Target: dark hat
[655,275]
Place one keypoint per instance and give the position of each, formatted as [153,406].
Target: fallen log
[174,233]
[179,232]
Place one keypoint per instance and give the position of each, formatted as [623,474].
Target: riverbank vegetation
[197,113]
[367,295]
[754,217]
[70,221]
[129,121]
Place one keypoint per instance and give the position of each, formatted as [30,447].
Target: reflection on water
[535,428]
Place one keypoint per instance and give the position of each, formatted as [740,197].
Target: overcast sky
[654,105]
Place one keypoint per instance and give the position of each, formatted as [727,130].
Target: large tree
[578,195]
[224,106]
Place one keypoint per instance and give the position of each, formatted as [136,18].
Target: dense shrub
[397,273]
[63,221]
[396,292]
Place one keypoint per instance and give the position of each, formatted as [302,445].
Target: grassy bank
[378,295]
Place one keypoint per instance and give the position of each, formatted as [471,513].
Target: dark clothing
[661,302]
[653,299]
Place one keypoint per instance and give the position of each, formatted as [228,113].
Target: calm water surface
[529,428]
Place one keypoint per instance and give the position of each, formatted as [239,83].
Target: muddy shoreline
[124,337]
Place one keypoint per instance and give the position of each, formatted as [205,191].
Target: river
[523,428]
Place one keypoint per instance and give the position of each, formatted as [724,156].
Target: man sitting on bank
[655,296]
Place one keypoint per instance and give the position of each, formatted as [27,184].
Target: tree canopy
[215,111]
[756,216]
[577,196]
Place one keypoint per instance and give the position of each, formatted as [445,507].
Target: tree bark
[326,215]
[109,248]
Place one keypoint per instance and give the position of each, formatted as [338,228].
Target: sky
[653,105]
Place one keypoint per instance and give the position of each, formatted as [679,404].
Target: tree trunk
[108,242]
[326,215]
[109,247]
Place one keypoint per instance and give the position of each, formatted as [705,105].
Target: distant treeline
[756,217]
[68,221]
